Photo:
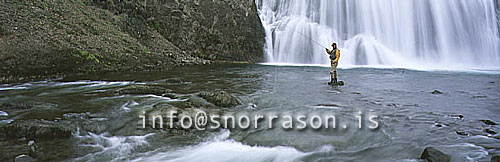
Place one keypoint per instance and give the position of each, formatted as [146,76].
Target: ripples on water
[411,117]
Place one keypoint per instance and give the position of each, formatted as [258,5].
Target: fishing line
[309,38]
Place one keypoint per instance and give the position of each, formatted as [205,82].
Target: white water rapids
[452,34]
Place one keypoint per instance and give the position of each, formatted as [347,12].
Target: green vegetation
[201,55]
[146,50]
[94,57]
[3,31]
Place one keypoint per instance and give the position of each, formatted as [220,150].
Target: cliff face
[54,37]
[497,4]
[216,29]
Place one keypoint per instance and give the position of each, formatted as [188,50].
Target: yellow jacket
[337,54]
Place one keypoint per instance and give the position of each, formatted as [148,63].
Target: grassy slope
[62,37]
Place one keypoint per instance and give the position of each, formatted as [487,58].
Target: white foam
[222,149]
[416,68]
[3,113]
[111,147]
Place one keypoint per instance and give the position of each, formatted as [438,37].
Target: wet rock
[495,158]
[339,83]
[195,101]
[174,81]
[37,129]
[24,158]
[33,149]
[479,96]
[170,95]
[488,122]
[459,116]
[392,105]
[75,116]
[220,98]
[164,111]
[462,133]
[436,92]
[25,105]
[356,93]
[18,107]
[433,155]
[142,90]
[161,110]
[490,131]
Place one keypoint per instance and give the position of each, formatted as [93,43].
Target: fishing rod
[317,43]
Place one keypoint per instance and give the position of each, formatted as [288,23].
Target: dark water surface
[410,116]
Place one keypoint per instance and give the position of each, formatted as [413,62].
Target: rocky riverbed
[97,117]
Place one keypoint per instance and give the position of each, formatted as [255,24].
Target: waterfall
[394,33]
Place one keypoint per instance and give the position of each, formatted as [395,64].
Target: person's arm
[328,51]
[337,55]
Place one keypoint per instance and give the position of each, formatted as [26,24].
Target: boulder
[433,155]
[37,129]
[490,131]
[488,122]
[33,149]
[142,90]
[436,92]
[15,108]
[220,98]
[161,110]
[462,133]
[339,83]
[24,158]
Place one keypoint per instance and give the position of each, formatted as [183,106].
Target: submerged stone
[142,90]
[24,158]
[490,131]
[433,155]
[37,129]
[220,98]
[339,83]
[488,122]
[436,92]
[462,133]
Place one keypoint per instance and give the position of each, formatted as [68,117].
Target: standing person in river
[334,59]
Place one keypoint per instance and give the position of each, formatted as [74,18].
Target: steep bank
[47,38]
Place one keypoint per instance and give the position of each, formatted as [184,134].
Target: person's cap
[334,44]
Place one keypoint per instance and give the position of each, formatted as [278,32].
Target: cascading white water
[395,33]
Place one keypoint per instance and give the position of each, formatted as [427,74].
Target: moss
[146,50]
[94,57]
[201,55]
[3,31]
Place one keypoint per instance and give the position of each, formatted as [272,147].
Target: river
[410,116]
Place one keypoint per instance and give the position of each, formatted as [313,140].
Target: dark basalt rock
[339,83]
[488,122]
[24,158]
[193,101]
[436,92]
[37,129]
[490,131]
[142,90]
[433,155]
[462,133]
[220,98]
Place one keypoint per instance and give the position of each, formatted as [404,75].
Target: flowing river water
[410,116]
